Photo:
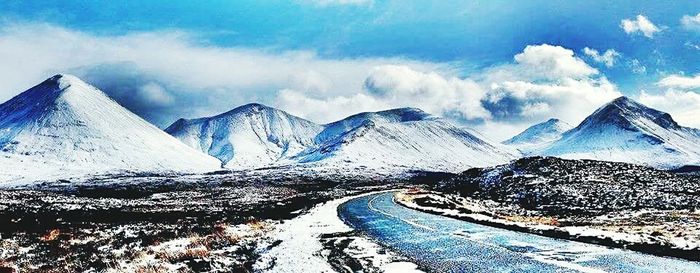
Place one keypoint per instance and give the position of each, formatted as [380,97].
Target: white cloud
[692,45]
[640,24]
[691,22]
[684,106]
[637,67]
[608,57]
[679,99]
[166,75]
[401,85]
[545,81]
[193,79]
[155,94]
[680,81]
[552,62]
[558,84]
[327,109]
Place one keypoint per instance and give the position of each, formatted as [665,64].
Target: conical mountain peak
[625,112]
[628,131]
[72,125]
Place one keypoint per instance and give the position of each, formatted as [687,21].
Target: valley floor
[212,223]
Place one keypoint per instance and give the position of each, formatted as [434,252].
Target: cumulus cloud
[679,99]
[637,67]
[680,81]
[165,75]
[608,57]
[684,106]
[544,81]
[154,93]
[639,25]
[558,85]
[446,96]
[327,109]
[551,62]
[691,22]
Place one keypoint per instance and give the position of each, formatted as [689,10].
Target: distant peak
[541,132]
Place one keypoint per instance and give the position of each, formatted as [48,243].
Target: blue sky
[325,53]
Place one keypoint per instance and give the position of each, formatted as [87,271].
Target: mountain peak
[627,103]
[628,131]
[624,112]
[254,105]
[62,81]
[552,121]
[540,134]
[622,99]
[73,126]
[405,114]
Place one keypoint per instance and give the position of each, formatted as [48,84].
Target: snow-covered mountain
[251,135]
[538,136]
[626,131]
[254,135]
[405,137]
[65,127]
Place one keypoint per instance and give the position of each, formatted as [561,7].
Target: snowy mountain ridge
[64,126]
[404,137]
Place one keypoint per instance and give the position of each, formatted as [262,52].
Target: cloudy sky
[495,66]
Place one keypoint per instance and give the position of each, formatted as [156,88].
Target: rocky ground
[206,223]
[608,203]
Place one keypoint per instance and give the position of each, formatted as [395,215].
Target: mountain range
[254,136]
[64,127]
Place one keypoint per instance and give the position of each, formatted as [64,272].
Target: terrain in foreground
[614,204]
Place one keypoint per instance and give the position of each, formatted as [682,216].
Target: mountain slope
[252,135]
[538,136]
[403,137]
[64,126]
[626,131]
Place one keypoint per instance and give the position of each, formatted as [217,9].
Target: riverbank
[319,241]
[613,230]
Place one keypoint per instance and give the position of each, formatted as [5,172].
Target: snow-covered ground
[300,249]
